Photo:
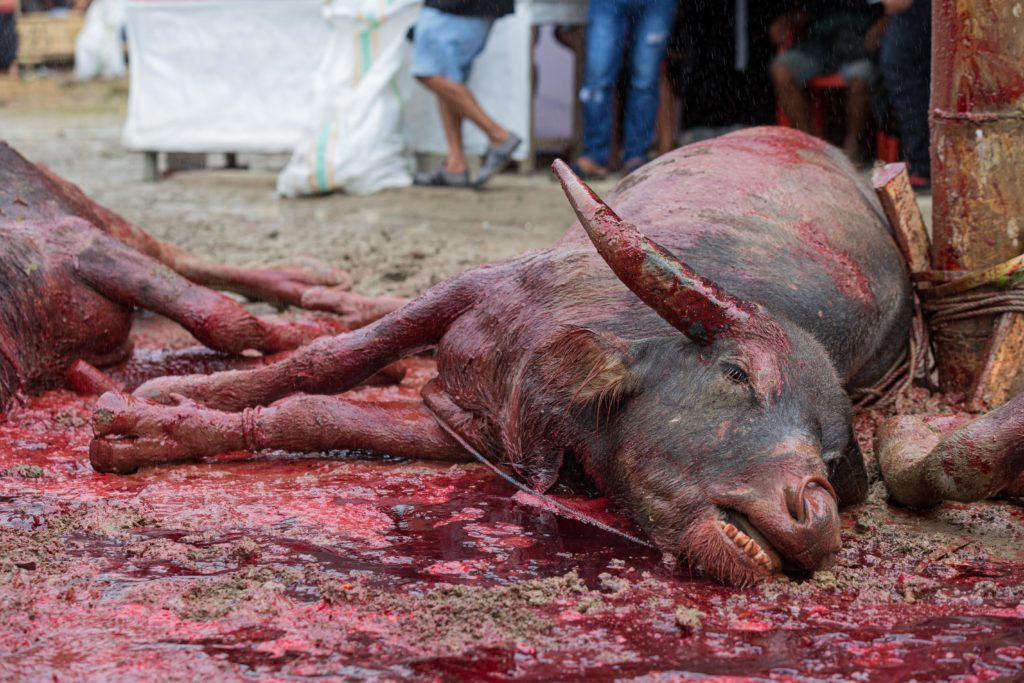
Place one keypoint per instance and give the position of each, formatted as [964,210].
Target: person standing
[447,37]
[644,25]
[905,62]
[8,40]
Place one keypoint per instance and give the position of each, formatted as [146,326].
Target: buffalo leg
[332,365]
[127,277]
[131,432]
[280,285]
[354,309]
[86,378]
[984,458]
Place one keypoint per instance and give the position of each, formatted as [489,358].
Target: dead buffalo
[71,272]
[695,364]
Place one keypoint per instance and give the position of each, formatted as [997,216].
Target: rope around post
[944,298]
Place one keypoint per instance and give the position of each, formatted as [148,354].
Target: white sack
[98,51]
[355,141]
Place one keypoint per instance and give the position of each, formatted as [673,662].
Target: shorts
[446,44]
[8,41]
[804,66]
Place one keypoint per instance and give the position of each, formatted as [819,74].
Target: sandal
[440,177]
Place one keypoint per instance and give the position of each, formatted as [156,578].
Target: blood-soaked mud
[369,567]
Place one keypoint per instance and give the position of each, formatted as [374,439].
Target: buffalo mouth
[747,542]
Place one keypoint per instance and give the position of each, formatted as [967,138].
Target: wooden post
[1000,375]
[892,184]
[977,124]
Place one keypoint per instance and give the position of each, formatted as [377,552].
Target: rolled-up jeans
[644,25]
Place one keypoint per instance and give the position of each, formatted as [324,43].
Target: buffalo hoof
[130,433]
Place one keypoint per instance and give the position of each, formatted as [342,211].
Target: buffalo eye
[735,374]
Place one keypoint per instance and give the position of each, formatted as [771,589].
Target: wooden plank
[1004,360]
[892,184]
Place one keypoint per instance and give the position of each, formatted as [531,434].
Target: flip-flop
[496,159]
[439,177]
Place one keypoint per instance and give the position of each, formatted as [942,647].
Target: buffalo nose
[809,498]
[814,518]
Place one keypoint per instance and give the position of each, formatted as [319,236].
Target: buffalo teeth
[745,543]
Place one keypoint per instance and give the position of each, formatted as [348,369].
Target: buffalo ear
[848,475]
[593,368]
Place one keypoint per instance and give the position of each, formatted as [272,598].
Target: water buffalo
[71,271]
[695,363]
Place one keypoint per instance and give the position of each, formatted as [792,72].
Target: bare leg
[451,120]
[461,101]
[132,433]
[331,365]
[858,99]
[792,97]
[123,275]
[922,468]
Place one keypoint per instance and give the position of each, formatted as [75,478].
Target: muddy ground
[355,567]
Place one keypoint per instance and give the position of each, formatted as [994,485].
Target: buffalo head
[732,443]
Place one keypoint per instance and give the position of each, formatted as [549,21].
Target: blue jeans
[611,26]
[905,61]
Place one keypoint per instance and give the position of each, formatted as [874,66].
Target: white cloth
[221,75]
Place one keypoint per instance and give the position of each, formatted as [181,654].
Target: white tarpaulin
[354,142]
[238,76]
[221,75]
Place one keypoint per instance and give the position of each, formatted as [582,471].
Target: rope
[951,309]
[250,429]
[912,363]
[946,298]
[562,507]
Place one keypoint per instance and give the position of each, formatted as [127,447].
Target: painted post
[977,135]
